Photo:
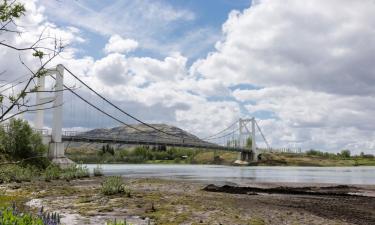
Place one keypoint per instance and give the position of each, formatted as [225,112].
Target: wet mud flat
[351,204]
[167,202]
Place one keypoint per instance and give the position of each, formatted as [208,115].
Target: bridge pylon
[55,145]
[244,133]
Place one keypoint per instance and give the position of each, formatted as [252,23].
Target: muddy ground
[155,201]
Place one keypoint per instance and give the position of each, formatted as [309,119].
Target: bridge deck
[204,145]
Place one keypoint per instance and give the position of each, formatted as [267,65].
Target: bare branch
[28,110]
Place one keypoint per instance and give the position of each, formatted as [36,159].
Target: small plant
[52,172]
[114,185]
[98,172]
[75,172]
[12,216]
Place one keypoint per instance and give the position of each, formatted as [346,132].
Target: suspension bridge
[233,138]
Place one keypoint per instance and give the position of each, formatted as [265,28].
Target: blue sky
[208,15]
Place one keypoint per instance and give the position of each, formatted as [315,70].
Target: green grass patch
[114,185]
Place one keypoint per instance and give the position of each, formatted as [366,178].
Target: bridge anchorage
[237,140]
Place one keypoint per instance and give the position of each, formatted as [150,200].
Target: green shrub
[345,154]
[16,173]
[114,185]
[52,172]
[75,172]
[20,142]
[8,217]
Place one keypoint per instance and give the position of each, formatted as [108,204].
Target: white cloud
[119,45]
[311,119]
[320,45]
[143,21]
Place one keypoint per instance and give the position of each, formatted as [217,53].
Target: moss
[257,221]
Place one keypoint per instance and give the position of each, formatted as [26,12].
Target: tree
[345,153]
[17,102]
[20,142]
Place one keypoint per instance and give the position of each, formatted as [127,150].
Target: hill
[141,132]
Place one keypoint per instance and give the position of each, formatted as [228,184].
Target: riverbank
[180,202]
[197,156]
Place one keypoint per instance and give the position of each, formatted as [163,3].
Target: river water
[244,175]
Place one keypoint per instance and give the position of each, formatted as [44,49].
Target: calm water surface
[244,175]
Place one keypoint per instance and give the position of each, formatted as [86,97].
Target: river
[244,175]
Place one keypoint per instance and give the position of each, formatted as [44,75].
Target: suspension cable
[126,113]
[105,113]
[264,138]
[228,134]
[210,137]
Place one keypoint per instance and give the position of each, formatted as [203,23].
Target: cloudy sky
[304,69]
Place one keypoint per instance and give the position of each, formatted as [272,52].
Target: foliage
[107,149]
[75,172]
[9,217]
[10,11]
[12,216]
[114,185]
[16,173]
[345,153]
[52,172]
[20,142]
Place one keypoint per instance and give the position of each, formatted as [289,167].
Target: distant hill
[141,132]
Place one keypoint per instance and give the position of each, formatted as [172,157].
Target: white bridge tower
[55,144]
[242,139]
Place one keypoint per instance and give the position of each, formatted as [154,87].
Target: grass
[52,172]
[114,185]
[15,173]
[257,221]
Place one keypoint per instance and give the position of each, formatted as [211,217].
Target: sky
[304,69]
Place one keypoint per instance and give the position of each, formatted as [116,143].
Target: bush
[75,172]
[20,142]
[114,185]
[16,173]
[12,216]
[8,217]
[52,172]
[345,154]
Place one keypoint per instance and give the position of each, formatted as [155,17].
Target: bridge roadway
[171,143]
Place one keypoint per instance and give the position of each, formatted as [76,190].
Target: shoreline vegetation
[147,155]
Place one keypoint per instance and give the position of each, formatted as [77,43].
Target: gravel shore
[156,201]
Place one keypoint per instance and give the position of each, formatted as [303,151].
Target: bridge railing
[43,132]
